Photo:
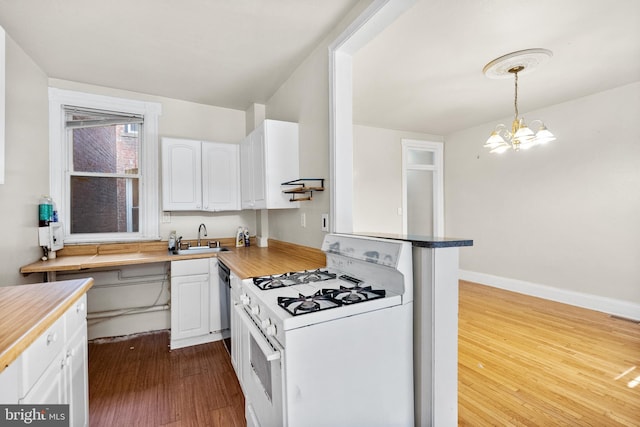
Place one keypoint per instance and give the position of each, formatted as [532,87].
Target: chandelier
[519,136]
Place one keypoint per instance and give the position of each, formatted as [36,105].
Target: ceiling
[228,53]
[423,73]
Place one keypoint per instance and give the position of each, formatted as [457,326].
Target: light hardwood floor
[530,362]
[523,361]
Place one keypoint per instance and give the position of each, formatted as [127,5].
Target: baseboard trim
[611,306]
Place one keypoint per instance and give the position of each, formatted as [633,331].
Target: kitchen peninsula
[435,281]
[435,326]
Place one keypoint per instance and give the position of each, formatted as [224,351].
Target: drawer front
[76,316]
[39,355]
[190,267]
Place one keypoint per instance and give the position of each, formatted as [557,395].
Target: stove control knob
[271,330]
[244,298]
[265,323]
[255,309]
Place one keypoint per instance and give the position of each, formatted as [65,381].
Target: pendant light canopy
[519,136]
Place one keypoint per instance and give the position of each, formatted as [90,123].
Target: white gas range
[332,346]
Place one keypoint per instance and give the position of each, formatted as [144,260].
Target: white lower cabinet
[54,368]
[77,378]
[189,304]
[196,305]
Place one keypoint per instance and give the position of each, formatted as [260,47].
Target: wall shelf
[303,187]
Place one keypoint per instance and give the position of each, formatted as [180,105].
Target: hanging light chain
[515,71]
[515,98]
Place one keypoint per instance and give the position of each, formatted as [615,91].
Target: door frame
[371,22]
[437,148]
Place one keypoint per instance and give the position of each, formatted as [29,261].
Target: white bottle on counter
[240,237]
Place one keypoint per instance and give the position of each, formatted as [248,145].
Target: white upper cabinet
[220,177]
[269,157]
[181,175]
[198,175]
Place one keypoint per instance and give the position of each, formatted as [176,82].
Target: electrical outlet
[325,222]
[166,217]
[303,220]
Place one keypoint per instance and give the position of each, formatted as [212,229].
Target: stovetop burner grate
[325,299]
[294,278]
[308,303]
[351,295]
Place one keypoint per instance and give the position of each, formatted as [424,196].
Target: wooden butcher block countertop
[279,257]
[252,261]
[26,311]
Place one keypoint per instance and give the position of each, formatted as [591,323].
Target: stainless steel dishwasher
[225,296]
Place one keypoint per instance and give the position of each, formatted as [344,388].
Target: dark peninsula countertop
[421,241]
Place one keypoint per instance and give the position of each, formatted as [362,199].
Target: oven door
[261,376]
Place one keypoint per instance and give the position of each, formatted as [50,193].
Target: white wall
[185,119]
[377,177]
[26,163]
[304,98]
[566,215]
[27,159]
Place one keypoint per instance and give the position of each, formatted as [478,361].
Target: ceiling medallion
[520,136]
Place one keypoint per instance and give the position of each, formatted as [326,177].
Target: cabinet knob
[255,309]
[80,307]
[52,337]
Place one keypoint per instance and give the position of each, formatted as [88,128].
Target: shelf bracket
[302,190]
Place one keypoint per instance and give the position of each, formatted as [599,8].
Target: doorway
[422,188]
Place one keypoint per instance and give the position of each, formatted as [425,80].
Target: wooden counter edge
[16,349]
[76,263]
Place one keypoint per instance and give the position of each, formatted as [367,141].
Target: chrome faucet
[200,229]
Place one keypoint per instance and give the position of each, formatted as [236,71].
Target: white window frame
[59,158]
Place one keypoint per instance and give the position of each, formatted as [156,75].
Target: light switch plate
[325,222]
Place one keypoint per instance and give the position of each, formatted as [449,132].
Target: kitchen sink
[201,250]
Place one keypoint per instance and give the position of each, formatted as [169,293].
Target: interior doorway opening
[422,188]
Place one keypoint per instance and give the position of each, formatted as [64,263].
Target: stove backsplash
[383,252]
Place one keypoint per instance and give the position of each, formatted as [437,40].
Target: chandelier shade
[520,136]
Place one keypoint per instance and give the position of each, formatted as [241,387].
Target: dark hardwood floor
[139,382]
[523,361]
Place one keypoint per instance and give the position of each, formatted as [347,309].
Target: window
[104,157]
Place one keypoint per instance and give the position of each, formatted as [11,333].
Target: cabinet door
[50,387]
[246,174]
[220,177]
[281,162]
[189,306]
[77,378]
[181,175]
[9,383]
[258,168]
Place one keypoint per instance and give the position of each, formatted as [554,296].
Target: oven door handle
[268,351]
